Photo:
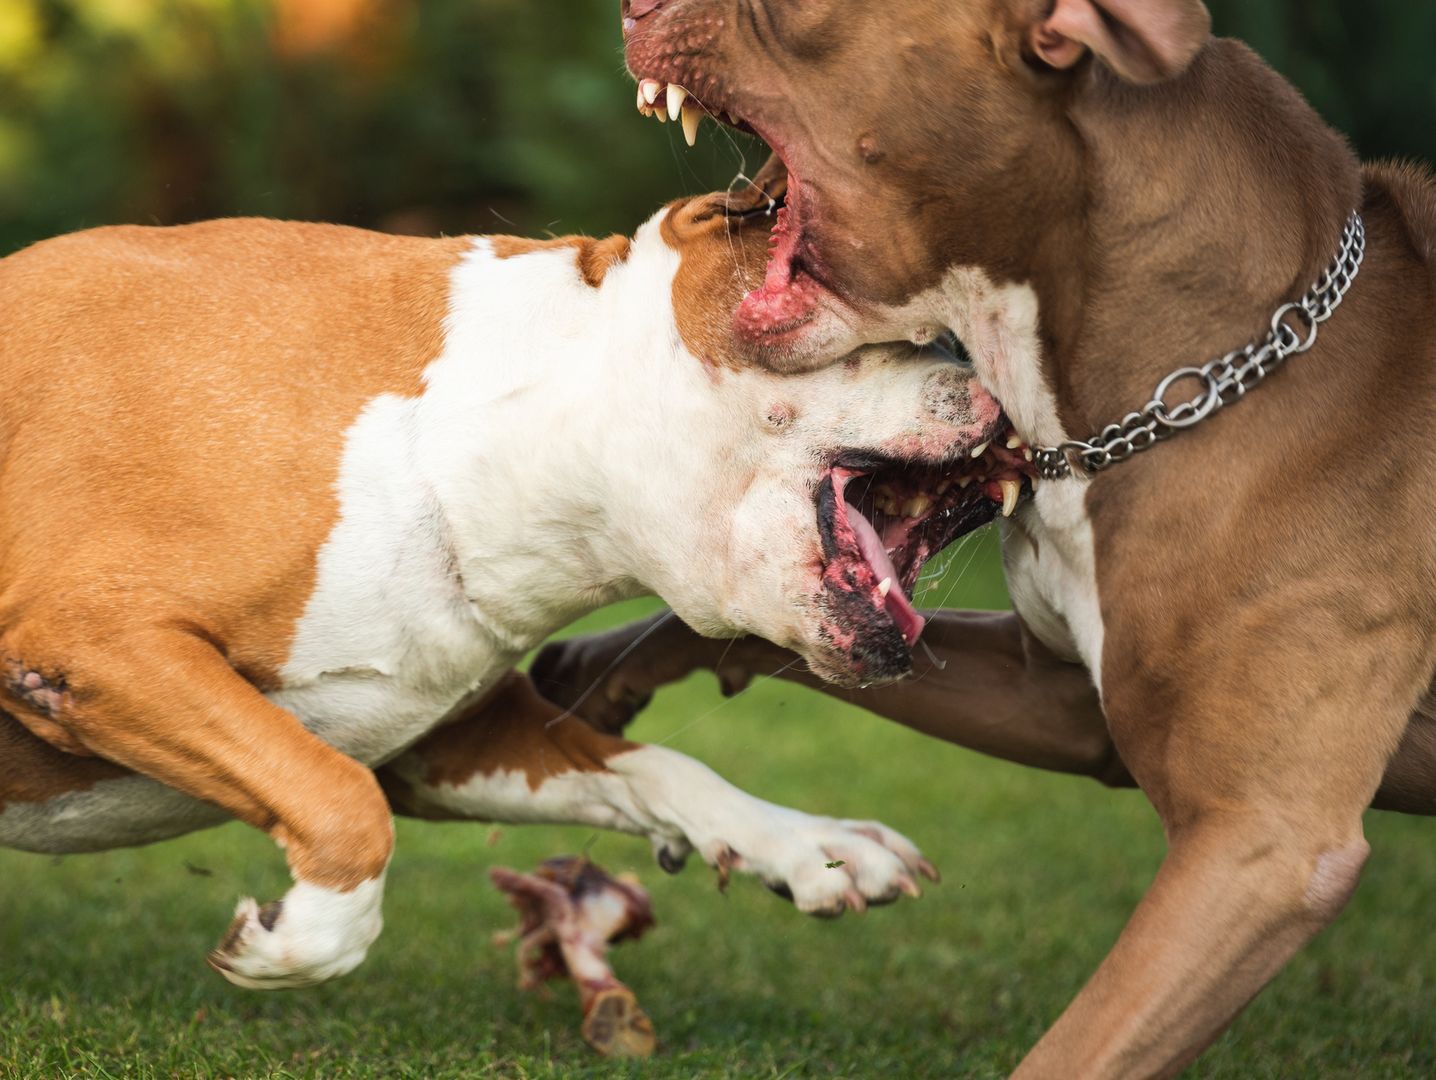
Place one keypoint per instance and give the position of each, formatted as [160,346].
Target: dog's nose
[954,397]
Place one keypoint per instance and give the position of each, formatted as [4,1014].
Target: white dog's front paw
[823,865]
[314,934]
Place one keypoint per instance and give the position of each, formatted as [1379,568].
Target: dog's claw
[927,870]
[723,861]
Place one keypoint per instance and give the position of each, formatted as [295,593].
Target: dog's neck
[1206,204]
[537,435]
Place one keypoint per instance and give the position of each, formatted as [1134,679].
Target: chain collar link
[1294,329]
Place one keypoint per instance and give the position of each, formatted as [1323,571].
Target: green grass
[102,973]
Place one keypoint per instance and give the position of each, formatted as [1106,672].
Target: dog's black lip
[869,461]
[828,517]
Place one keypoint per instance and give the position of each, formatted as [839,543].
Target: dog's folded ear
[762,191]
[1143,41]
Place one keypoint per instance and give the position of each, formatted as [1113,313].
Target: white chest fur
[1048,551]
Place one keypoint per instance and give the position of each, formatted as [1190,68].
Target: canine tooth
[692,114]
[885,587]
[917,506]
[1014,441]
[641,102]
[676,97]
[978,451]
[1027,453]
[1011,492]
[650,89]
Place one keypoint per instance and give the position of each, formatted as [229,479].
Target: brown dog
[1093,194]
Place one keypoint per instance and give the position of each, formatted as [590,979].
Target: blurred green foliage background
[468,115]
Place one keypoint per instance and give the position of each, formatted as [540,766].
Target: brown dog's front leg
[165,703]
[993,687]
[1261,791]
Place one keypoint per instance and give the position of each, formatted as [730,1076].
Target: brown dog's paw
[616,1027]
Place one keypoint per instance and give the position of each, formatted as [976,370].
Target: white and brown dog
[283,504]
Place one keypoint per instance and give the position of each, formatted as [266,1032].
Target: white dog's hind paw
[314,934]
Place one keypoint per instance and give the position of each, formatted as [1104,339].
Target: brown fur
[1268,580]
[594,258]
[723,258]
[33,771]
[511,729]
[143,352]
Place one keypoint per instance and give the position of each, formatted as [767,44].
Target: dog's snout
[954,397]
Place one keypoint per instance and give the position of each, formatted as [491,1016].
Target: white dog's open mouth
[882,520]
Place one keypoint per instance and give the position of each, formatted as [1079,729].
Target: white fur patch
[1054,582]
[116,813]
[319,934]
[681,806]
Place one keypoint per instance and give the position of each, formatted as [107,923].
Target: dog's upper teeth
[1027,453]
[649,89]
[978,451]
[885,587]
[1014,441]
[964,481]
[1011,492]
[692,114]
[943,486]
[641,102]
[676,97]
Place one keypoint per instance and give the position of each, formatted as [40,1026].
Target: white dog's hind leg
[514,757]
[169,705]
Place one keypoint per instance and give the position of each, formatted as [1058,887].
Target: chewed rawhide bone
[571,912]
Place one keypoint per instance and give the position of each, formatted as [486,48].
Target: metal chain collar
[1293,331]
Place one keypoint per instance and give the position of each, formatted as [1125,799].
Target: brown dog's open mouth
[794,283]
[881,520]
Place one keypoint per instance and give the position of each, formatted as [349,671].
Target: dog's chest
[1048,551]
[388,643]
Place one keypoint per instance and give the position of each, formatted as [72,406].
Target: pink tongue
[899,609]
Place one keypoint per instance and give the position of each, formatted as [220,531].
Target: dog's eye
[948,343]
